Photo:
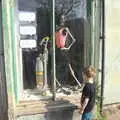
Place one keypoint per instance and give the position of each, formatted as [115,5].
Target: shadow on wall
[62,113]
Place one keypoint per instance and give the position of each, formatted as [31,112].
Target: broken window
[36,43]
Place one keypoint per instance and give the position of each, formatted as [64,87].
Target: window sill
[31,107]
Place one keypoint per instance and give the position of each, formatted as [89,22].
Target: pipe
[53,48]
[103,53]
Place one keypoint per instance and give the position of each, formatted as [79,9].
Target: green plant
[99,115]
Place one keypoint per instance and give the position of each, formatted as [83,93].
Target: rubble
[36,94]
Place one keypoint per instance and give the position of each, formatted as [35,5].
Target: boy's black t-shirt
[89,91]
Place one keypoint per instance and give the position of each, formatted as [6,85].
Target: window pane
[35,25]
[34,21]
[72,15]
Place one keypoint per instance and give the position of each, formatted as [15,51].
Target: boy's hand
[84,105]
[81,110]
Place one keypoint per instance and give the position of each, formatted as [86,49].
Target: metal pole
[103,52]
[53,47]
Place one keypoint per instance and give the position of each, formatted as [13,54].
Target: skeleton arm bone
[72,72]
[74,40]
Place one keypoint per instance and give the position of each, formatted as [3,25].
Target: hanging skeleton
[63,35]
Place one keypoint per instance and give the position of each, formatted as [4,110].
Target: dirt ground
[112,112]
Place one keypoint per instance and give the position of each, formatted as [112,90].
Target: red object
[61,37]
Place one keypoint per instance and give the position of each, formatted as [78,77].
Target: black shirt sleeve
[86,91]
[89,91]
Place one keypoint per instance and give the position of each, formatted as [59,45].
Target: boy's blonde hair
[90,72]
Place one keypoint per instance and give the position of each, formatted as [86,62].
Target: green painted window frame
[17,52]
[12,56]
[15,83]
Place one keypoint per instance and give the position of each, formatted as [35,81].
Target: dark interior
[74,56]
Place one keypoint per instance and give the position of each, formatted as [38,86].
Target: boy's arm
[85,98]
[84,104]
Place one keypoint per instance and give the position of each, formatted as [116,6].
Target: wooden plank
[38,107]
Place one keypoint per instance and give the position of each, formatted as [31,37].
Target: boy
[88,94]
